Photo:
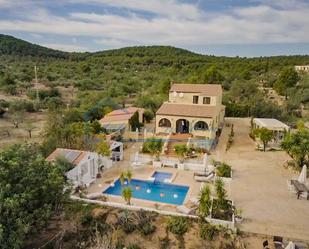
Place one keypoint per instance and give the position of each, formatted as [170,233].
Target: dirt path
[259,187]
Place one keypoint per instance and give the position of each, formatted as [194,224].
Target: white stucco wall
[187,98]
[84,173]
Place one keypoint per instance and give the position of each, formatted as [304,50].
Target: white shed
[86,165]
[279,128]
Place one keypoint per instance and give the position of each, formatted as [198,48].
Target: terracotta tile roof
[187,110]
[120,114]
[209,89]
[108,119]
[76,155]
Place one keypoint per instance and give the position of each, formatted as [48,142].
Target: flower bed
[222,211]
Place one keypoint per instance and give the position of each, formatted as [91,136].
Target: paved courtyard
[259,187]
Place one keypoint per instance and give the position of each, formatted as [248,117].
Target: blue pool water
[161,176]
[152,191]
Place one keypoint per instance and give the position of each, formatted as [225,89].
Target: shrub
[178,225]
[224,170]
[126,223]
[148,115]
[143,221]
[21,105]
[208,231]
[133,246]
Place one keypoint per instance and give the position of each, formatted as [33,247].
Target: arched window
[201,126]
[164,122]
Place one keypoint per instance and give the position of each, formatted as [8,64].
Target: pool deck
[179,177]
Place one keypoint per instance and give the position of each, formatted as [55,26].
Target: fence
[141,158]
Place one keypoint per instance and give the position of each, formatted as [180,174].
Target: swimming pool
[152,191]
[162,176]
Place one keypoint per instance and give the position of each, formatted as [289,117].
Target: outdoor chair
[291,187]
[209,178]
[278,242]
[304,195]
[265,244]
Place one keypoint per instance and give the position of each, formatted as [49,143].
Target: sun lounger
[183,209]
[202,173]
[203,178]
[195,200]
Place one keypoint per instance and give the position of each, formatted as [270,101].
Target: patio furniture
[202,173]
[265,244]
[302,190]
[208,178]
[183,209]
[278,242]
[291,187]
[195,200]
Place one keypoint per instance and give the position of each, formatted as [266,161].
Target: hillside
[146,72]
[10,45]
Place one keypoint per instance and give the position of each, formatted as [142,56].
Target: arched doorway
[182,126]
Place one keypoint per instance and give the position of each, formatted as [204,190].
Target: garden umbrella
[303,175]
[291,245]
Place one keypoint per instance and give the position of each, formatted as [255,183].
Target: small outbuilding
[85,165]
[279,128]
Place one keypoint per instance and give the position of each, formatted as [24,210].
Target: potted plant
[238,215]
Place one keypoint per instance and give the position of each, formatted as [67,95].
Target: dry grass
[11,135]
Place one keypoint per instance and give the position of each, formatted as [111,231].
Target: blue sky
[218,27]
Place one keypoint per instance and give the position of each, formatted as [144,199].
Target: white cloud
[65,47]
[171,8]
[241,25]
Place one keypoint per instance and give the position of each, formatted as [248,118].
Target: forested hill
[10,45]
[146,72]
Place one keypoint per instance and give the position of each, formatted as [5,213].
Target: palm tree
[127,195]
[205,202]
[122,178]
[181,150]
[129,175]
[221,193]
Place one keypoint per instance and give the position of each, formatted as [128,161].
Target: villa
[302,68]
[194,109]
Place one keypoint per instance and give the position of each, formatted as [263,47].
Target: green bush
[208,231]
[224,170]
[143,221]
[148,115]
[133,246]
[126,222]
[178,225]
